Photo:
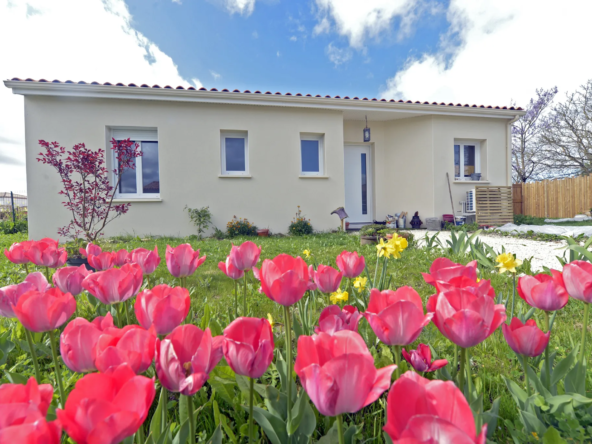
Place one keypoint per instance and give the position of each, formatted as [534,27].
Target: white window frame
[463,142]
[138,136]
[235,135]
[321,139]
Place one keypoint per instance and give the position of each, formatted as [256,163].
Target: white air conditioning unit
[470,205]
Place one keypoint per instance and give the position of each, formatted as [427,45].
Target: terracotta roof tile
[191,88]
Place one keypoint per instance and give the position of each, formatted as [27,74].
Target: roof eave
[166,94]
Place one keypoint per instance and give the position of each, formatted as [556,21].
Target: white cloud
[92,40]
[215,75]
[507,49]
[255,35]
[337,56]
[179,2]
[362,19]
[279,54]
[241,7]
[293,38]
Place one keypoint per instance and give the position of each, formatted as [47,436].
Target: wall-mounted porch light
[366,132]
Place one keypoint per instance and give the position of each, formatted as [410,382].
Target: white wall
[189,156]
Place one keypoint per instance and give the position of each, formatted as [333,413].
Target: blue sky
[274,47]
[492,52]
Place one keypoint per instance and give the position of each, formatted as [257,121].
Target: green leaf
[156,425]
[563,367]
[216,437]
[182,434]
[222,379]
[183,409]
[205,320]
[15,378]
[298,411]
[532,423]
[276,402]
[575,380]
[517,393]
[552,436]
[297,327]
[274,427]
[490,417]
[282,369]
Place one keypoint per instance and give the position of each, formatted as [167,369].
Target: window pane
[128,179]
[150,176]
[310,156]
[364,186]
[469,160]
[235,154]
[456,160]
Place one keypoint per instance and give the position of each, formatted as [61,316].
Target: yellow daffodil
[270,319]
[339,296]
[306,253]
[397,245]
[507,262]
[360,283]
[384,249]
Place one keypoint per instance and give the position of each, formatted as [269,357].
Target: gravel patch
[543,253]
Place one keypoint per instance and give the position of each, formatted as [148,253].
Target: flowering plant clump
[86,184]
[300,225]
[240,227]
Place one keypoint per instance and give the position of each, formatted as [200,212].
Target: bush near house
[300,226]
[493,374]
[240,227]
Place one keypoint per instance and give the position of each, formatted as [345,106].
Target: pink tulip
[107,407]
[443,269]
[248,346]
[182,261]
[481,288]
[147,259]
[424,411]
[421,359]
[284,279]
[78,341]
[396,317]
[131,345]
[230,270]
[544,292]
[91,250]
[122,258]
[44,311]
[337,371]
[163,307]
[102,261]
[45,253]
[245,256]
[525,339]
[10,295]
[185,358]
[467,319]
[17,253]
[69,279]
[114,285]
[334,319]
[22,414]
[577,276]
[350,264]
[257,273]
[327,279]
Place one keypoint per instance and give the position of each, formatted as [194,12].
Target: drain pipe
[509,149]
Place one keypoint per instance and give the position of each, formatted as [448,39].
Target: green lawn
[490,360]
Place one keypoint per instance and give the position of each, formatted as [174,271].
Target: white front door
[358,183]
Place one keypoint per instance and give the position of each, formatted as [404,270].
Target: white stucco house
[259,154]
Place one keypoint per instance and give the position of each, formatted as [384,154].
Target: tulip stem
[374,284]
[397,349]
[58,369]
[513,294]
[235,299]
[584,331]
[140,435]
[469,378]
[165,411]
[47,274]
[288,327]
[252,384]
[525,365]
[245,297]
[340,429]
[33,355]
[148,286]
[191,419]
[127,313]
[547,360]
[461,372]
[456,358]
[26,268]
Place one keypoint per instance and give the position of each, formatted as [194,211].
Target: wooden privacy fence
[493,205]
[554,198]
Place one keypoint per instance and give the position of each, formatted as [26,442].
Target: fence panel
[15,206]
[494,205]
[557,198]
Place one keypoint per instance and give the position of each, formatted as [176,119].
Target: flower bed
[139,318]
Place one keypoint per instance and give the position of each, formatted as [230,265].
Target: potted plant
[369,234]
[75,258]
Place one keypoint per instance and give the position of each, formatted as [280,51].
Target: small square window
[311,154]
[467,160]
[143,181]
[234,152]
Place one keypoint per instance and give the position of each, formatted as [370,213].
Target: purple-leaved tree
[86,184]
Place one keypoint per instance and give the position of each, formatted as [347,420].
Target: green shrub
[521,219]
[201,218]
[300,225]
[10,227]
[240,227]
[372,229]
